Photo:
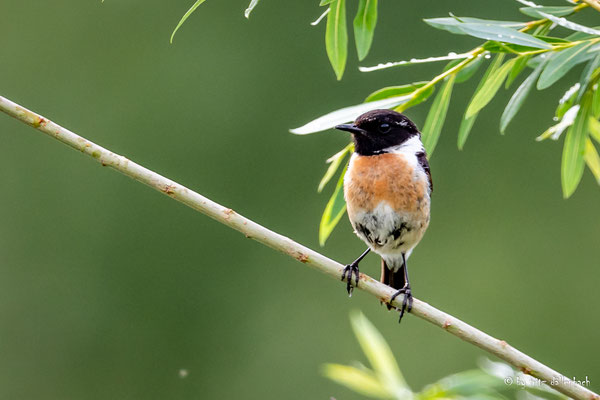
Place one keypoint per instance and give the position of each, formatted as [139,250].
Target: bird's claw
[349,270]
[407,301]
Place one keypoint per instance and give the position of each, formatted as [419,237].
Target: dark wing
[422,158]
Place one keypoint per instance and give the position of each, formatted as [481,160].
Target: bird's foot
[407,301]
[349,271]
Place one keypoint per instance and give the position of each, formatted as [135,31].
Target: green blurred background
[109,289]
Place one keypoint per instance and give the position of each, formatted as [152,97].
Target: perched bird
[387,188]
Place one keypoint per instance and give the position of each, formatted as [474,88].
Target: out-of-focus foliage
[384,380]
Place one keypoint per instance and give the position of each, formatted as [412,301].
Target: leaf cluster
[384,380]
[510,49]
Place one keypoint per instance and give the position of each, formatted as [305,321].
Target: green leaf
[517,68]
[334,210]
[517,99]
[346,114]
[561,63]
[576,36]
[417,98]
[573,152]
[325,2]
[586,76]
[594,128]
[437,115]
[596,102]
[364,26]
[466,72]
[253,4]
[378,353]
[362,382]
[467,122]
[450,23]
[336,37]
[592,159]
[394,91]
[557,11]
[488,31]
[335,162]
[487,92]
[185,16]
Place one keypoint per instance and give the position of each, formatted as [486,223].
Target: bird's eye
[384,128]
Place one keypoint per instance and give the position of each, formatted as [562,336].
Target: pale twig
[303,254]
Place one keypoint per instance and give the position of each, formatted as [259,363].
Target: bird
[387,189]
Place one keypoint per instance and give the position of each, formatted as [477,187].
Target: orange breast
[386,177]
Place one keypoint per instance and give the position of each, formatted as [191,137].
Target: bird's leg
[408,299]
[352,269]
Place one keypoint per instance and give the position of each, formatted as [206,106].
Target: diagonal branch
[303,254]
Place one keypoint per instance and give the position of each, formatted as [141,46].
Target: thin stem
[301,253]
[593,3]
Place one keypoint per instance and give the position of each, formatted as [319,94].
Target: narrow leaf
[517,99]
[336,37]
[586,76]
[394,91]
[566,101]
[466,72]
[594,128]
[517,68]
[362,382]
[573,152]
[347,114]
[334,210]
[450,23]
[592,159]
[557,11]
[364,26]
[185,16]
[467,122]
[325,2]
[437,115]
[488,91]
[335,162]
[417,98]
[488,31]
[561,63]
[378,352]
[253,4]
[596,102]
[569,24]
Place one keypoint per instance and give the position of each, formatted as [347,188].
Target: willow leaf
[185,16]
[364,26]
[562,63]
[573,153]
[517,99]
[361,381]
[517,68]
[592,159]
[336,37]
[594,128]
[467,122]
[394,91]
[487,92]
[334,210]
[437,115]
[334,163]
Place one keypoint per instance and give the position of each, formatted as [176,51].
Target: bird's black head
[379,129]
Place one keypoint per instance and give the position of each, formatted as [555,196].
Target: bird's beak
[351,128]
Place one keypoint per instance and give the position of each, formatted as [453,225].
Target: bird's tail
[390,278]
